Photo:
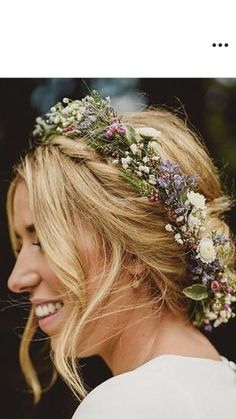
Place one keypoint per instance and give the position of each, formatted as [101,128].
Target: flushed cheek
[52,281]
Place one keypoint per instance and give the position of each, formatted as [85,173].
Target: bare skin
[134,343]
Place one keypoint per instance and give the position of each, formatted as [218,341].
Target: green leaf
[196,292]
[130,134]
[140,185]
[183,197]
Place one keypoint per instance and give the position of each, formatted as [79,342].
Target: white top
[166,387]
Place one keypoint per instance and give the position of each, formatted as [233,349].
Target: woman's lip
[48,320]
[41,302]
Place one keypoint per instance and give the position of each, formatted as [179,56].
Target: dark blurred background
[211,108]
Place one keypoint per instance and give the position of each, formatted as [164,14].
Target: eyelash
[34,244]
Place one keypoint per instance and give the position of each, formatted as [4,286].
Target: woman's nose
[25,275]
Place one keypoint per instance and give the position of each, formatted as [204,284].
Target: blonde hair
[71,186]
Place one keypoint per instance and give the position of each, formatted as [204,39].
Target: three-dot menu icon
[220,45]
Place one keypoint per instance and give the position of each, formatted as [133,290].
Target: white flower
[125,161]
[144,169]
[168,227]
[56,120]
[116,161]
[211,315]
[196,199]
[148,132]
[141,168]
[134,148]
[193,221]
[65,123]
[203,213]
[206,250]
[217,322]
[155,158]
[153,145]
[228,299]
[177,238]
[145,159]
[152,179]
[223,314]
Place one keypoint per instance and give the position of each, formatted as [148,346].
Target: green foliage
[196,292]
[142,186]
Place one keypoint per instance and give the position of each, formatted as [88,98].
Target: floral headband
[136,150]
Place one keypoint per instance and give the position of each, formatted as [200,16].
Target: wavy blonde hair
[71,186]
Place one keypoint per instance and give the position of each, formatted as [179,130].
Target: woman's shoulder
[130,396]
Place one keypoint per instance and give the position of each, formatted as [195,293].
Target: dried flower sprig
[136,152]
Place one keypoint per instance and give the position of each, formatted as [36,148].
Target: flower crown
[136,150]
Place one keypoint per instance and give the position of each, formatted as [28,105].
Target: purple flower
[163,182]
[180,210]
[85,124]
[216,265]
[170,199]
[206,277]
[196,270]
[220,239]
[208,328]
[168,166]
[179,183]
[178,180]
[88,111]
[193,180]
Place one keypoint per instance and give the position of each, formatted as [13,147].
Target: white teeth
[39,311]
[44,310]
[51,307]
[58,305]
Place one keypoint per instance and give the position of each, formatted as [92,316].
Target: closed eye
[34,244]
[37,244]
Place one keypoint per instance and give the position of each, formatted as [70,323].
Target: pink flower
[120,129]
[109,133]
[69,128]
[214,285]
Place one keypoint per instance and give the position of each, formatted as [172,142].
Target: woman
[120,243]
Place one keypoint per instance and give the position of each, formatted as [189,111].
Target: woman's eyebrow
[30,229]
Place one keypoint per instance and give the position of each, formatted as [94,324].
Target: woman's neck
[150,337]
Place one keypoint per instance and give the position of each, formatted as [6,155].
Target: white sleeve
[115,400]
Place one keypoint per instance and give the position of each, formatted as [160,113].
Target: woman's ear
[136,268]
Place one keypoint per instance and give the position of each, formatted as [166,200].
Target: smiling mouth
[47,309]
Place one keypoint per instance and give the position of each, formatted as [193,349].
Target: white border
[117,39]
